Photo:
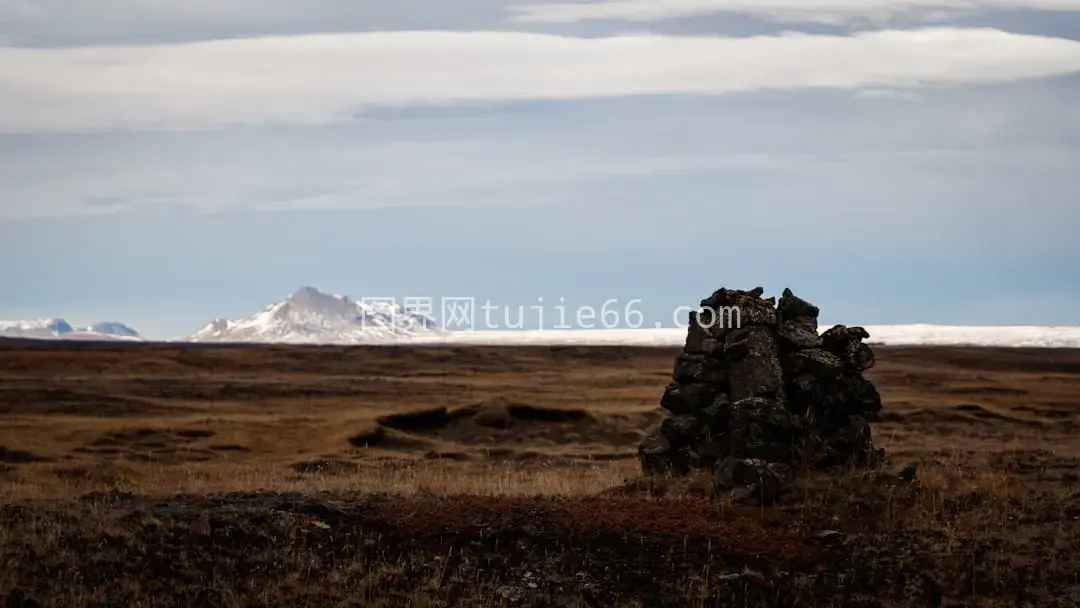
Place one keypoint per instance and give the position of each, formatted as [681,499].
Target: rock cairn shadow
[759,394]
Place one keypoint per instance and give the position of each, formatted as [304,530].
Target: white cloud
[330,77]
[819,11]
[83,22]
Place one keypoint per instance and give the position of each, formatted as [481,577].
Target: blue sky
[895,161]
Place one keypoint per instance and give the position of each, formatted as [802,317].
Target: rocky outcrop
[759,394]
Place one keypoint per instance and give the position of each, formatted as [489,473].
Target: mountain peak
[51,328]
[315,317]
[308,296]
[112,328]
[307,291]
[44,327]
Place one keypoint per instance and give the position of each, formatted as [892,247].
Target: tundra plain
[183,475]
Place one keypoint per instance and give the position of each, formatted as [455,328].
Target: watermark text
[468,313]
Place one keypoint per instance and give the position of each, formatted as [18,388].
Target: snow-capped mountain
[310,316]
[35,328]
[111,328]
[59,329]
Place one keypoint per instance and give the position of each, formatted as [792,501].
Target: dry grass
[169,475]
[395,477]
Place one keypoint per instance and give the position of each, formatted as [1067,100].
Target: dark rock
[699,368]
[774,421]
[701,395]
[736,346]
[734,472]
[861,357]
[713,346]
[798,335]
[794,308]
[751,315]
[682,430]
[803,392]
[687,398]
[685,460]
[814,361]
[829,538]
[727,297]
[654,453]
[695,335]
[716,323]
[765,429]
[838,440]
[712,449]
[717,297]
[749,309]
[846,343]
[757,371]
[749,480]
[838,337]
[850,394]
[716,422]
[717,417]
[732,308]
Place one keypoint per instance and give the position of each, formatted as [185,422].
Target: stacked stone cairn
[758,394]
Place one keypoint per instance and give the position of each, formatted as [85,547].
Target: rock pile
[759,394]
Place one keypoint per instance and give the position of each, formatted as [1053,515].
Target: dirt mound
[532,413]
[150,444]
[417,421]
[10,456]
[228,447]
[387,439]
[501,423]
[508,431]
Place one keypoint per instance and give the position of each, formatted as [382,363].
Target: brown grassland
[171,475]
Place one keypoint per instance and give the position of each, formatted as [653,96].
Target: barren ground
[156,475]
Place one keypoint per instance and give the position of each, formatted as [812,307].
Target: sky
[164,163]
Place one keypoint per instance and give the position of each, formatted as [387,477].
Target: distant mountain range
[59,329]
[310,316]
[307,316]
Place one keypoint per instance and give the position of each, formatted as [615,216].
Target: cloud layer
[82,22]
[818,11]
[326,78]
